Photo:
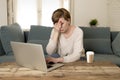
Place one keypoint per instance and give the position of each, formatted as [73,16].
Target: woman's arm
[54,39]
[52,44]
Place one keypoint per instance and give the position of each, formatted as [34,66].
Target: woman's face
[64,25]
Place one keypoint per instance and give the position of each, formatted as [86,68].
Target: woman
[65,39]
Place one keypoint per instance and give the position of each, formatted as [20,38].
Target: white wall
[114,15]
[85,10]
[3,12]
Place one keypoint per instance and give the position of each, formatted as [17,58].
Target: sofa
[101,40]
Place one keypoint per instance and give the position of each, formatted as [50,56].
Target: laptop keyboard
[50,64]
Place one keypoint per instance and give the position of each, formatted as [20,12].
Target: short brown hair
[61,12]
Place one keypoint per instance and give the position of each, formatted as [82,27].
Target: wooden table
[71,71]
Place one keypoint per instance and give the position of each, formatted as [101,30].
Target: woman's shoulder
[78,30]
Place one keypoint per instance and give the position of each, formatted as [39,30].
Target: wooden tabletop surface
[79,70]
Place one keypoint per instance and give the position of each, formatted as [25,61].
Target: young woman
[65,39]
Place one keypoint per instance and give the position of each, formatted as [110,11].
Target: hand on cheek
[59,24]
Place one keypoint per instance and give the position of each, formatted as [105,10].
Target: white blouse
[68,48]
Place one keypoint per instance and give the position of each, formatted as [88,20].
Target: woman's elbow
[49,51]
[72,59]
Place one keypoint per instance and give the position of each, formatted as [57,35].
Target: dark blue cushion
[9,33]
[96,32]
[109,58]
[39,33]
[116,45]
[7,58]
[101,46]
[97,39]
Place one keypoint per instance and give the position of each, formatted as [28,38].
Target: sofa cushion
[7,58]
[109,58]
[39,32]
[97,39]
[101,46]
[96,32]
[9,33]
[116,45]
[42,42]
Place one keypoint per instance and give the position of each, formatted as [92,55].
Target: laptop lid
[29,55]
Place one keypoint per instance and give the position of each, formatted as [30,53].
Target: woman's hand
[58,25]
[57,29]
[54,60]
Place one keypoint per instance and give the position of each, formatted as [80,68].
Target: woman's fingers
[51,59]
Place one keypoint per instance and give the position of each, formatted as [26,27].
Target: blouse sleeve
[51,46]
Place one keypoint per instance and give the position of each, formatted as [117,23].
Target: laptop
[32,56]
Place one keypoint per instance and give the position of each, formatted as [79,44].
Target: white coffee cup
[90,56]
